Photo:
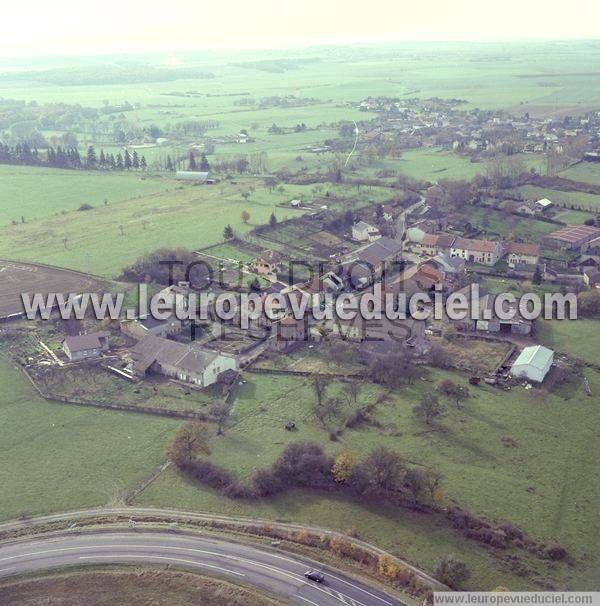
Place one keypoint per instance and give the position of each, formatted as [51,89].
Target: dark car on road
[314,575]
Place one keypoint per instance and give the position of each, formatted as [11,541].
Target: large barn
[533,363]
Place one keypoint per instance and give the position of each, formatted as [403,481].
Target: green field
[588,172]
[59,458]
[574,217]
[497,224]
[545,484]
[573,337]
[568,199]
[107,238]
[186,216]
[38,193]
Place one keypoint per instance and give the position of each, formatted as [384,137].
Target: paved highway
[279,573]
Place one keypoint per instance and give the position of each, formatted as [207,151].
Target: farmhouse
[527,208]
[432,244]
[189,362]
[428,276]
[476,251]
[81,347]
[451,266]
[289,333]
[573,237]
[364,232]
[533,363]
[149,325]
[365,265]
[518,253]
[268,263]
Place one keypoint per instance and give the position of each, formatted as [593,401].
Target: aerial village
[409,246]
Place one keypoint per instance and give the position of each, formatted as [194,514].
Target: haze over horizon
[62,27]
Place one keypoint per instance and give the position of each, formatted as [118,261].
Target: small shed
[533,363]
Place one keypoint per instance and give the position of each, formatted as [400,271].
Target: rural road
[279,573]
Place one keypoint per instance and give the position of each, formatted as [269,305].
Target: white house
[533,363]
[363,232]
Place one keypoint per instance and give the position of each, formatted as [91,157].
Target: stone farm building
[518,253]
[477,251]
[80,347]
[364,232]
[188,362]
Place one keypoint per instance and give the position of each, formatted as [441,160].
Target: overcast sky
[106,26]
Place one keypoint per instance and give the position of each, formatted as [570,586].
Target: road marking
[307,600]
[145,556]
[291,575]
[7,569]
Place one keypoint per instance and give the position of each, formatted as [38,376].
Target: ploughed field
[17,278]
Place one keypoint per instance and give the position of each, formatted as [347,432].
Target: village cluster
[411,123]
[424,253]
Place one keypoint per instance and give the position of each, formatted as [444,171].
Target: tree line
[70,158]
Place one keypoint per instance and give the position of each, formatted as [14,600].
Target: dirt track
[17,278]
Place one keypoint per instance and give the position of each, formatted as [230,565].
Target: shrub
[555,552]
[451,571]
[266,483]
[85,206]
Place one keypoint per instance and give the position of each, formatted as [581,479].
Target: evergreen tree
[119,163]
[143,164]
[102,159]
[127,160]
[204,165]
[272,220]
[169,164]
[192,161]
[91,161]
[228,232]
[135,160]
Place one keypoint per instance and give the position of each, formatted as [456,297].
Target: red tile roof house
[81,347]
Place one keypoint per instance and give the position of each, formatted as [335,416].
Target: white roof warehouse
[533,363]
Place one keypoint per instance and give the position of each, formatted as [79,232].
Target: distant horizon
[65,28]
[313,44]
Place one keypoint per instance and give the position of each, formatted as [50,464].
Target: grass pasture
[38,193]
[521,484]
[501,225]
[59,457]
[107,238]
[574,200]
